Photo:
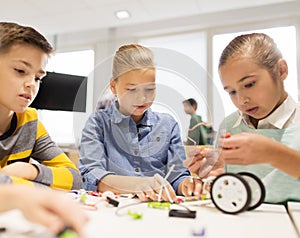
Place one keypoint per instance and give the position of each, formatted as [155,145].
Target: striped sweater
[27,139]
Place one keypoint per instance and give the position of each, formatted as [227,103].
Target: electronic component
[67,233]
[160,205]
[182,213]
[135,215]
[112,201]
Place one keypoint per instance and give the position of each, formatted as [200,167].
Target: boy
[201,134]
[27,154]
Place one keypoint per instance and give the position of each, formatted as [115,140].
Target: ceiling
[66,16]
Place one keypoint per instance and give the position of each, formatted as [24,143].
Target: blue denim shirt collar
[116,115]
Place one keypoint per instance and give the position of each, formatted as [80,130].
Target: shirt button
[137,170]
[136,152]
[158,138]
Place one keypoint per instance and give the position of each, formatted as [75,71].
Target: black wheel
[230,193]
[258,191]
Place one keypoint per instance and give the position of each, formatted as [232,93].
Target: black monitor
[63,92]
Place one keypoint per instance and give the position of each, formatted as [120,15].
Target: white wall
[106,41]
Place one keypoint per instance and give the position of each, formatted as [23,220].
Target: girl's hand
[247,148]
[190,187]
[205,164]
[151,188]
[194,158]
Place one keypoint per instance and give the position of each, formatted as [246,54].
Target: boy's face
[188,108]
[21,68]
[135,91]
[251,87]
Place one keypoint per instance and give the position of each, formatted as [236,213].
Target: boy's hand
[22,170]
[190,187]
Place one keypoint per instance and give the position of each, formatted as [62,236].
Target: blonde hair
[131,57]
[258,46]
[12,34]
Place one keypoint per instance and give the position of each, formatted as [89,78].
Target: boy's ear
[112,85]
[283,69]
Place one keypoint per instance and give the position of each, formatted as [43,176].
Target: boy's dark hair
[192,102]
[13,33]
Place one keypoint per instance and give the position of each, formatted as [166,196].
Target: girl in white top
[265,131]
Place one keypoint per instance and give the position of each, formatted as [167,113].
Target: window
[285,37]
[180,60]
[60,124]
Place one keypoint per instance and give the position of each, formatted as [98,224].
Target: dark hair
[257,46]
[12,33]
[192,102]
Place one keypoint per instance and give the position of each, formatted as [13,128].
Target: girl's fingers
[151,195]
[142,196]
[197,187]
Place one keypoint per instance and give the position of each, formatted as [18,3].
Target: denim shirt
[113,143]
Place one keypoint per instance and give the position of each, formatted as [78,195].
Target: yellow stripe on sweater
[62,160]
[20,155]
[17,180]
[62,178]
[29,115]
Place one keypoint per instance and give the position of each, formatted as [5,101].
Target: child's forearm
[22,170]
[120,184]
[146,188]
[286,159]
[128,184]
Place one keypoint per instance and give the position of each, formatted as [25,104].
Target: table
[265,221]
[294,212]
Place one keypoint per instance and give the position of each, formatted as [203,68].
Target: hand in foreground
[50,208]
[22,170]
